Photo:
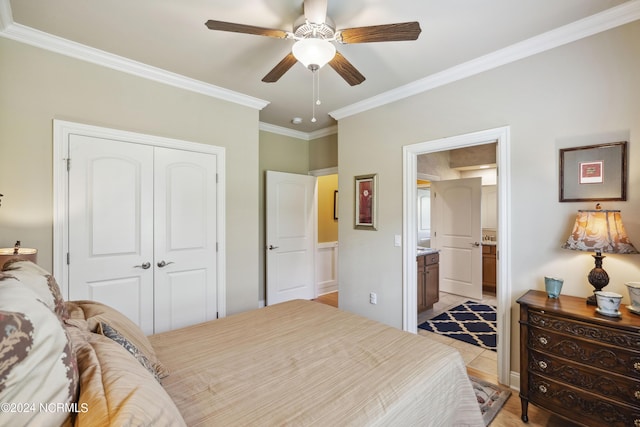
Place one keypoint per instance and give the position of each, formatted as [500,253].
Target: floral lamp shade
[600,231]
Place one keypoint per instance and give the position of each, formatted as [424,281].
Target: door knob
[143,266]
[164,264]
[271,247]
[475,244]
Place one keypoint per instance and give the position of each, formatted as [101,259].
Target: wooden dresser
[578,364]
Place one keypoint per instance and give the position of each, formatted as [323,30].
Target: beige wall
[37,86]
[579,94]
[323,152]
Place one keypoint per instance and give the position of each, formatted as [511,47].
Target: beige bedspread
[304,363]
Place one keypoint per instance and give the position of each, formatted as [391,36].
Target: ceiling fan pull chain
[313,84]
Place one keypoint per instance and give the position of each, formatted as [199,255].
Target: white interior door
[185,238]
[291,234]
[111,225]
[456,232]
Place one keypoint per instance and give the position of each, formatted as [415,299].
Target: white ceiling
[171,35]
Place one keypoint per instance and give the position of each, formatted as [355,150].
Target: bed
[296,363]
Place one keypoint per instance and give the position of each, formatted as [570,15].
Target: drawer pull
[637,394]
[636,423]
[544,341]
[636,366]
[542,388]
[543,365]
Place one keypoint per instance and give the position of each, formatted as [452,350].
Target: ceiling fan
[314,31]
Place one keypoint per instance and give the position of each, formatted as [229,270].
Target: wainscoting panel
[326,267]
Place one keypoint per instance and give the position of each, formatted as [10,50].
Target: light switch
[397,240]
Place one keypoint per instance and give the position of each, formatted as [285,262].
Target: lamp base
[598,278]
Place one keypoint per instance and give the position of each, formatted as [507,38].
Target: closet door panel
[111,225]
[185,238]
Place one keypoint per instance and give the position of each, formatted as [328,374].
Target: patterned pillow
[37,362]
[109,332]
[40,282]
[96,313]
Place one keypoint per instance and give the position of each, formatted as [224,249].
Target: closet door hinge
[216,177]
[68,160]
[68,258]
[216,246]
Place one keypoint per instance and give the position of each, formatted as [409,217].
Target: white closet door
[185,238]
[111,225]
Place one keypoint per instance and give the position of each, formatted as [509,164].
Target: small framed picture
[366,202]
[591,172]
[594,173]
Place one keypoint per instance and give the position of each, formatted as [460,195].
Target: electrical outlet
[373,298]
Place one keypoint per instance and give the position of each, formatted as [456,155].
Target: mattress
[303,363]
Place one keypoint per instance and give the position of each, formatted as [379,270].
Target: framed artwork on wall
[594,173]
[366,197]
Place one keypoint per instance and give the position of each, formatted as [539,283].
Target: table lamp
[599,231]
[18,252]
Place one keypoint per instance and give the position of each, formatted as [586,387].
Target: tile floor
[474,356]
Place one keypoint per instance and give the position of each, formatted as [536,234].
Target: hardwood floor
[509,415]
[329,299]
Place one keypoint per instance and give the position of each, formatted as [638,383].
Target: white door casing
[291,216]
[409,278]
[458,235]
[188,241]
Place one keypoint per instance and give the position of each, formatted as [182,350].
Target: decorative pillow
[109,332]
[39,280]
[96,313]
[37,362]
[116,390]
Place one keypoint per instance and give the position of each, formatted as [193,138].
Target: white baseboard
[514,381]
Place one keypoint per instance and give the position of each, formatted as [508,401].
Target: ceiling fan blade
[315,11]
[346,70]
[382,33]
[245,29]
[279,70]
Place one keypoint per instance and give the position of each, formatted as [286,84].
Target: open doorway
[326,275]
[461,228]
[410,175]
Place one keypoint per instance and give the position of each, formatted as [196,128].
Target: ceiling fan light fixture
[313,53]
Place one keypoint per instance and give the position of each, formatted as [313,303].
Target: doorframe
[409,194]
[62,130]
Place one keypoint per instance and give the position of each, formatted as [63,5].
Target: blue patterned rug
[471,322]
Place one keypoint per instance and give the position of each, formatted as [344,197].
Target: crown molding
[75,50]
[306,136]
[594,24]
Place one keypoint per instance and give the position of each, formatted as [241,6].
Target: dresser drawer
[590,353]
[581,406]
[607,384]
[612,336]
